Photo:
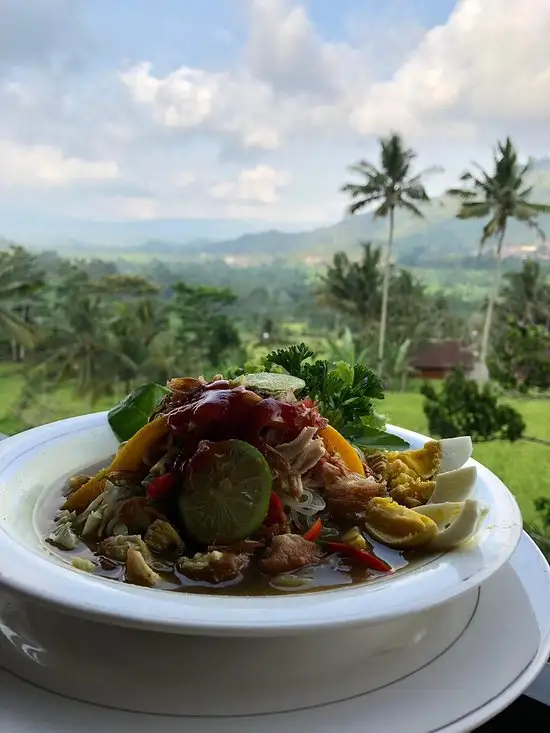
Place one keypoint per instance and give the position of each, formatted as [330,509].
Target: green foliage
[355,287]
[462,407]
[20,282]
[292,359]
[205,332]
[525,295]
[134,411]
[345,393]
[540,529]
[522,357]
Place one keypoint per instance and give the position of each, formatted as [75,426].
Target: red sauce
[220,412]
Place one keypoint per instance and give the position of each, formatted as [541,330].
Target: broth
[334,573]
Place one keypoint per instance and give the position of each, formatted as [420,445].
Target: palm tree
[78,342]
[526,295]
[354,288]
[390,186]
[19,283]
[501,195]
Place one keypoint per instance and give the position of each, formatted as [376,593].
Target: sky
[254,109]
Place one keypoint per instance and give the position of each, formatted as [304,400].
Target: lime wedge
[268,382]
[226,493]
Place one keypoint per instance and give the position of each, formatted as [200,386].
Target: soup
[244,487]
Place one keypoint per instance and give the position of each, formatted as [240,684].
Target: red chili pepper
[314,531]
[276,512]
[362,556]
[160,486]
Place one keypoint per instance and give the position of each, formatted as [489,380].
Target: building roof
[442,355]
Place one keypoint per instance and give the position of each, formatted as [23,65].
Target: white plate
[501,651]
[33,462]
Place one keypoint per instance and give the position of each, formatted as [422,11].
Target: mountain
[47,231]
[438,237]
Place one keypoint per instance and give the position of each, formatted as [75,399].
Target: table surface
[533,706]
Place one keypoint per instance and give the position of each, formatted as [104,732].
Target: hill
[439,237]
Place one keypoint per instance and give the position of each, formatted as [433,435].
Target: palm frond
[382,211]
[415,191]
[474,210]
[533,224]
[535,208]
[17,329]
[363,167]
[412,208]
[358,205]
[491,229]
[462,193]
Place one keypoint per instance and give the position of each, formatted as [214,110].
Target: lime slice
[226,494]
[269,382]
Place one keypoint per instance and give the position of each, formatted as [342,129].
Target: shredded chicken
[290,552]
[289,461]
[213,567]
[303,452]
[138,571]
[347,494]
[137,515]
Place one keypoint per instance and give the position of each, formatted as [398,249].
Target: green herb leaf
[368,438]
[134,411]
[291,359]
[344,392]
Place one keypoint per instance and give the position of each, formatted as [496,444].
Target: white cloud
[489,62]
[42,164]
[182,179]
[222,102]
[268,132]
[129,207]
[254,185]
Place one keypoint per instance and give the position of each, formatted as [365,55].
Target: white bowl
[52,615]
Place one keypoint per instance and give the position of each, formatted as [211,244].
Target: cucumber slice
[226,493]
[269,382]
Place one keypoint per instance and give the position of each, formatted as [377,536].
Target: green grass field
[524,467]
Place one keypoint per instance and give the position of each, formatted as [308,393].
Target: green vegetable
[134,411]
[368,438]
[292,359]
[269,382]
[226,492]
[344,393]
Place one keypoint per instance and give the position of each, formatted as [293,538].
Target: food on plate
[277,481]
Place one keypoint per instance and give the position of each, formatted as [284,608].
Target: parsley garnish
[344,393]
[290,359]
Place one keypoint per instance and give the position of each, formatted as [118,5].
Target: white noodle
[310,503]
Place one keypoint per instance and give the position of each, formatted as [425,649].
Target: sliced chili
[276,512]
[314,531]
[160,487]
[364,557]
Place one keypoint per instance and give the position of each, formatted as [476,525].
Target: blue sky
[252,109]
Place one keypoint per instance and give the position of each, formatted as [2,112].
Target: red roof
[442,355]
